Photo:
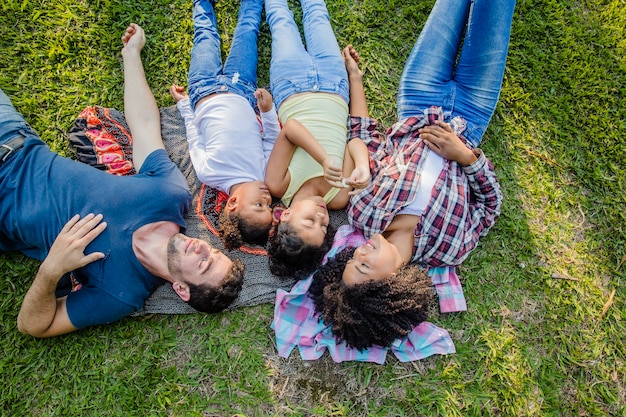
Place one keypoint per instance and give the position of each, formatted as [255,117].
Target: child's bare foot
[178,93]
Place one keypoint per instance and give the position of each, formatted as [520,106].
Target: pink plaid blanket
[296,324]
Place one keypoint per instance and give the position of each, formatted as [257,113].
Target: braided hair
[374,312]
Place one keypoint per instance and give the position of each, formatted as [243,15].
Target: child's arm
[359,161]
[269,120]
[294,135]
[195,140]
[264,100]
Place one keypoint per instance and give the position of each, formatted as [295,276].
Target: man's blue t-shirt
[41,191]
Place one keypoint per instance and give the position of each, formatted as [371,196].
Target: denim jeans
[294,69]
[238,75]
[471,88]
[12,123]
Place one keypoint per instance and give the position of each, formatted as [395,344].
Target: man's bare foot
[178,93]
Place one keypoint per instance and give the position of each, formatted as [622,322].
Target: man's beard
[173,258]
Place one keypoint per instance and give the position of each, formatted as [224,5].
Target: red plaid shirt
[464,204]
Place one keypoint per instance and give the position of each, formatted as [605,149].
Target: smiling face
[375,260]
[309,218]
[196,261]
[252,201]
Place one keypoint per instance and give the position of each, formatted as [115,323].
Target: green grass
[531,344]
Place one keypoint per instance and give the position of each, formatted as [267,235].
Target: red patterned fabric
[100,137]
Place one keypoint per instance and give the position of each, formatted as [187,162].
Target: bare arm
[294,135]
[42,314]
[358,102]
[140,107]
[356,162]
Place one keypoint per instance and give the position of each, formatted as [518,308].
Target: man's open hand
[68,250]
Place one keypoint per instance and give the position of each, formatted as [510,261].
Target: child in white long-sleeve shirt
[228,144]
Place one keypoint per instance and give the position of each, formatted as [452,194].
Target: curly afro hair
[372,313]
[235,230]
[290,257]
[208,299]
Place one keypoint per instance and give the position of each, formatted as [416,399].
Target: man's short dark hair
[208,299]
[235,230]
[290,257]
[375,312]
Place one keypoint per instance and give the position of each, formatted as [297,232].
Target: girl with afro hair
[375,312]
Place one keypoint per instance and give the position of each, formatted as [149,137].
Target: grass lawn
[546,321]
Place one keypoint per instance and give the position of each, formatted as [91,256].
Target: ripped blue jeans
[239,73]
[477,31]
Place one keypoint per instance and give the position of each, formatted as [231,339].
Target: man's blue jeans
[471,88]
[12,122]
[294,69]
[238,75]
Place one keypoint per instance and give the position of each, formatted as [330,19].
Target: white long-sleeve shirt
[227,144]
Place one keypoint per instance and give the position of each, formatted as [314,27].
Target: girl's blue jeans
[238,75]
[294,69]
[471,88]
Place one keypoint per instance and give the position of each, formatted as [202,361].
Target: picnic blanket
[297,324]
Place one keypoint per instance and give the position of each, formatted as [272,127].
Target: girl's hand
[332,172]
[358,179]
